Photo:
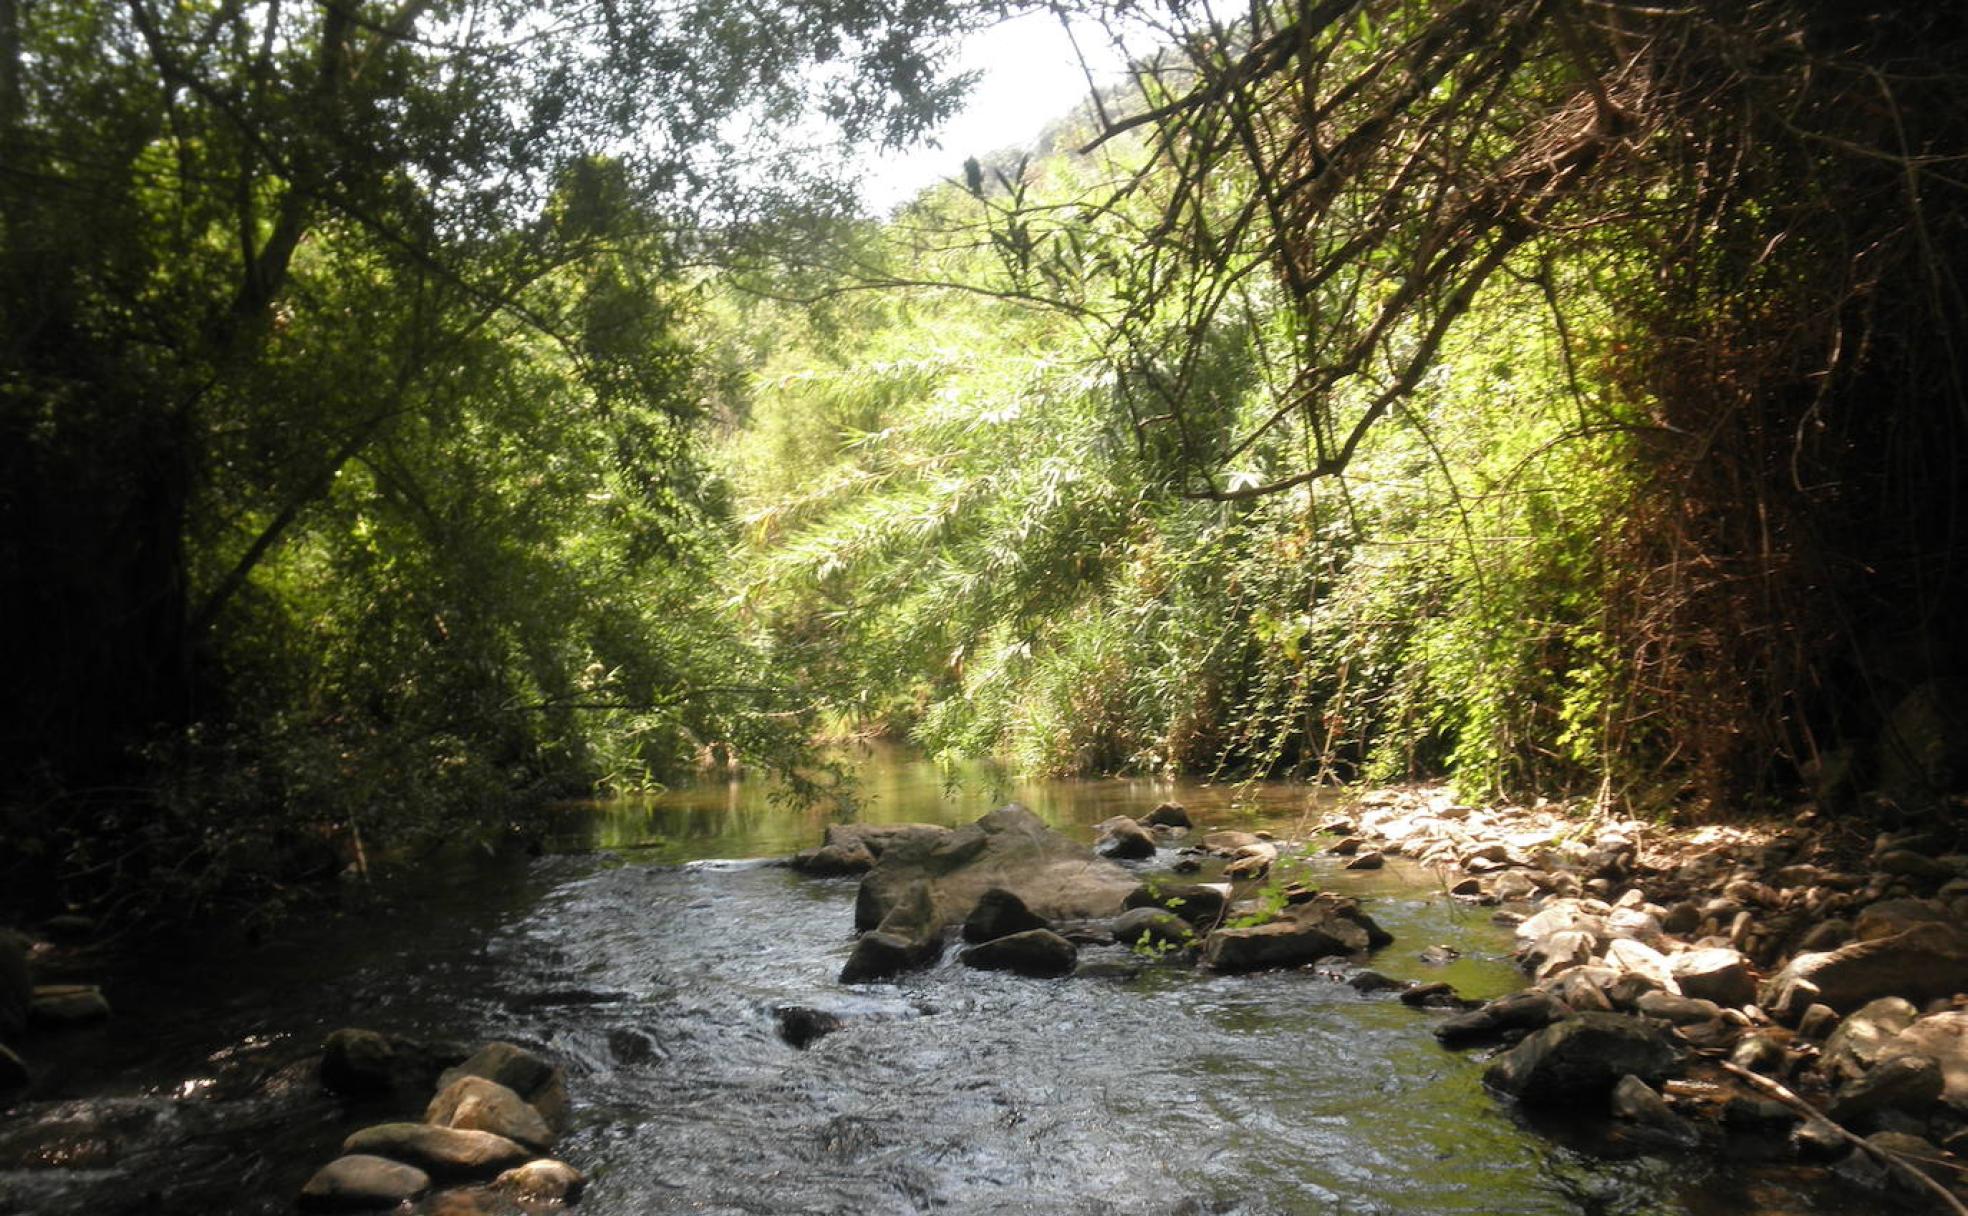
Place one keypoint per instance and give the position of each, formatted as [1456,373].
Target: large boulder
[1321,927]
[478,1104]
[441,1152]
[1578,1061]
[1056,877]
[540,1082]
[1921,963]
[362,1183]
[1039,953]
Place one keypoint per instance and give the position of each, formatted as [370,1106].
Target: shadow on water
[657,968]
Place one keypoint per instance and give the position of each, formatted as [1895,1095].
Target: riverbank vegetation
[412,413]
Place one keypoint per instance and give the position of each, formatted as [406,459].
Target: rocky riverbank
[1787,986]
[1792,979]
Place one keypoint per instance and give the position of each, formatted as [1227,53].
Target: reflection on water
[746,816]
[1136,1087]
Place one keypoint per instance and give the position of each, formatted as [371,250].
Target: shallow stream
[648,953]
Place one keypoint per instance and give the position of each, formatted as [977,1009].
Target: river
[646,952]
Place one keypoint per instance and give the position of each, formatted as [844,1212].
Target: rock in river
[1168,815]
[358,1061]
[361,1183]
[1039,953]
[1303,933]
[474,1102]
[539,1082]
[441,1152]
[855,848]
[907,937]
[543,1181]
[1056,877]
[999,913]
[1580,1059]
[1122,837]
[1199,903]
[1154,928]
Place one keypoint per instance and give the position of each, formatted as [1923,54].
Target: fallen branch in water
[1888,1157]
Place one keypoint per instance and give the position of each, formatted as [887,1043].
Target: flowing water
[648,953]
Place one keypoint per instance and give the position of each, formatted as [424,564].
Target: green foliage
[350,410]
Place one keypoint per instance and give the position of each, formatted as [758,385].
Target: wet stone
[1169,815]
[362,1183]
[477,1103]
[999,913]
[543,1181]
[58,1005]
[441,1152]
[1037,953]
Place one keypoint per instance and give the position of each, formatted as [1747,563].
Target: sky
[1030,77]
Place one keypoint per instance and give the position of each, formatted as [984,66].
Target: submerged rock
[1580,1059]
[1039,953]
[800,1025]
[441,1152]
[362,1183]
[1322,927]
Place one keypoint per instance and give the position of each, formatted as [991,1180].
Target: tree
[264,266]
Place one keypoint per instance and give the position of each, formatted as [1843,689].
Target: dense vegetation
[412,412]
[1562,397]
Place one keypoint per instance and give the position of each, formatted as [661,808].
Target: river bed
[650,954]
